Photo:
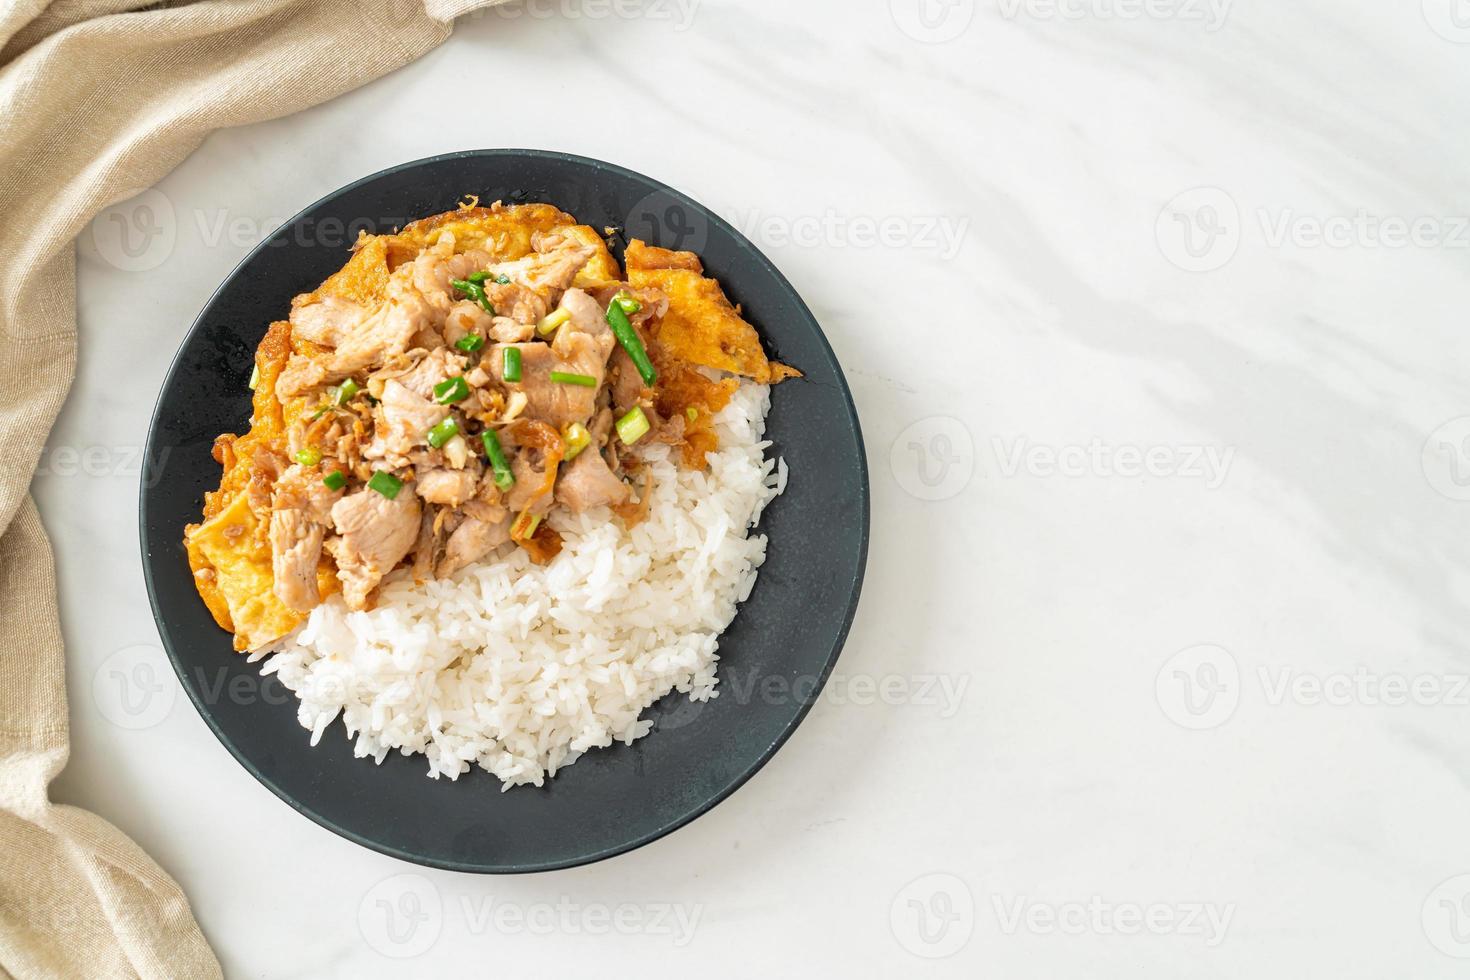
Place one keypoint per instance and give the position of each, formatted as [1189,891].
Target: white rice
[520,669]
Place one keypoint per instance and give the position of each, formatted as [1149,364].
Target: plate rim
[766,754]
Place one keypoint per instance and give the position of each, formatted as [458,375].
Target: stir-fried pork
[587,482]
[375,534]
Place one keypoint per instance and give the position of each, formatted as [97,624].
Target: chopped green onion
[633,426]
[504,478]
[552,320]
[309,456]
[628,303]
[254,376]
[478,277]
[452,390]
[335,480]
[470,343]
[443,432]
[475,291]
[511,366]
[341,394]
[577,439]
[623,330]
[524,526]
[321,411]
[567,378]
[691,413]
[503,279]
[385,483]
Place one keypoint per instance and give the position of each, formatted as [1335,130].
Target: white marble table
[1155,316]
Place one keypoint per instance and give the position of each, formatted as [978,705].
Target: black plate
[774,657]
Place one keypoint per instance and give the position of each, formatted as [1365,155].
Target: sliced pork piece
[435,366]
[375,534]
[538,450]
[465,317]
[588,318]
[434,269]
[550,269]
[401,424]
[448,487]
[388,330]
[627,385]
[508,330]
[554,402]
[471,541]
[301,508]
[515,302]
[327,321]
[296,547]
[587,482]
[426,548]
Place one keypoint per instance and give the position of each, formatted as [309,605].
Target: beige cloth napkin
[98,100]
